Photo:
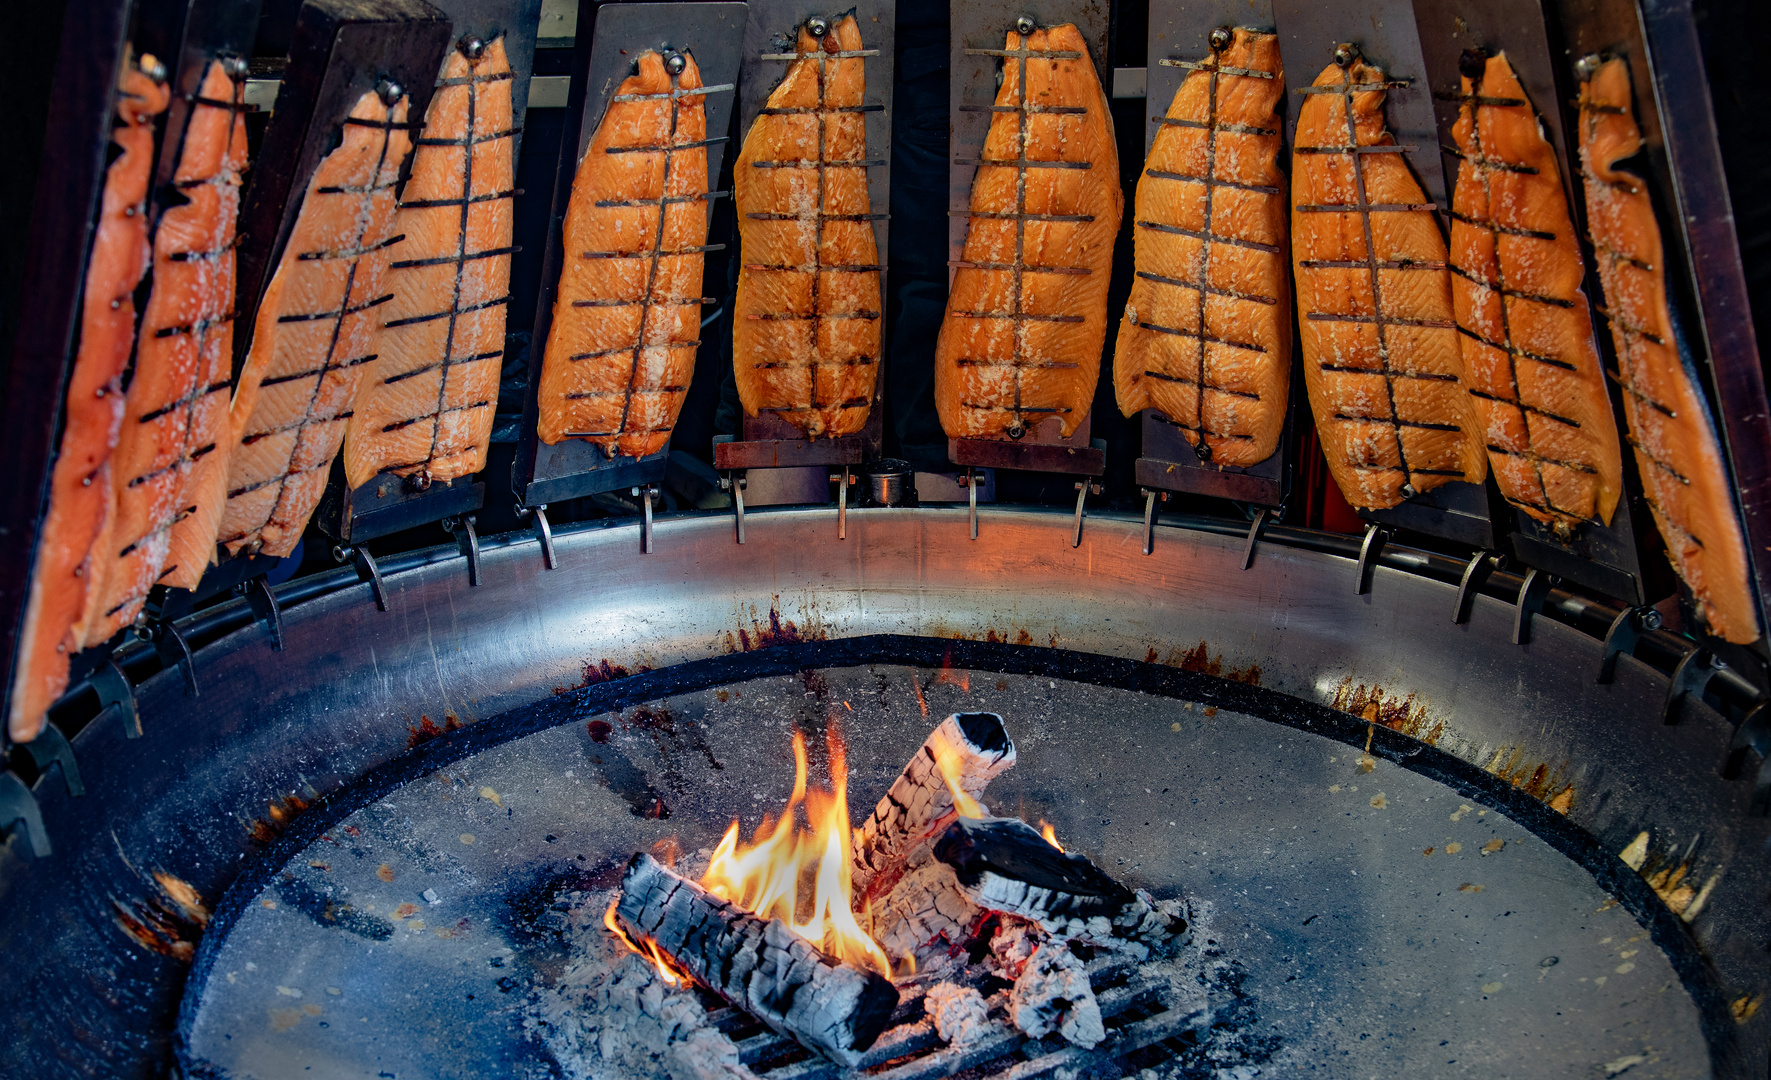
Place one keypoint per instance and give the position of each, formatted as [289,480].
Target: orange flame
[948,762]
[785,871]
[672,975]
[1050,834]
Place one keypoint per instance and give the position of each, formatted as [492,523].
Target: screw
[390,92]
[1588,66]
[674,63]
[472,48]
[1202,450]
[1650,619]
[817,27]
[341,554]
[1016,430]
[154,69]
[1345,54]
[236,67]
[1025,25]
[1220,39]
[1409,491]
[418,483]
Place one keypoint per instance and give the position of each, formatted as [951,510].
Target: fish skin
[1241,422]
[1558,459]
[817,374]
[173,437]
[1684,475]
[415,414]
[1366,452]
[80,492]
[301,377]
[639,391]
[990,400]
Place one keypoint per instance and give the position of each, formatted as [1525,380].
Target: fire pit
[1341,908]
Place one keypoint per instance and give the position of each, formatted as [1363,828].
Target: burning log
[1003,864]
[952,768]
[925,911]
[758,965]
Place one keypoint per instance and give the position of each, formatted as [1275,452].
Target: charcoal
[958,1012]
[758,965]
[1053,994]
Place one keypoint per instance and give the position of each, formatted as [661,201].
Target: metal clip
[468,542]
[264,606]
[17,804]
[1532,592]
[1369,550]
[1151,498]
[1690,678]
[645,495]
[50,749]
[367,571]
[175,651]
[113,690]
[971,486]
[842,481]
[1626,630]
[1261,516]
[1476,573]
[735,484]
[1084,488]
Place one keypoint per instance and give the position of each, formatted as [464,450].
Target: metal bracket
[1084,488]
[842,481]
[1476,572]
[971,488]
[1262,515]
[468,542]
[1690,677]
[735,483]
[264,605]
[18,804]
[175,651]
[1532,592]
[51,748]
[1369,550]
[113,690]
[1151,498]
[544,534]
[645,495]
[1626,630]
[367,571]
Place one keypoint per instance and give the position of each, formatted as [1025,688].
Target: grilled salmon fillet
[1529,356]
[316,332]
[80,482]
[425,409]
[1683,473]
[1027,314]
[805,334]
[1206,336]
[1380,350]
[622,344]
[174,443]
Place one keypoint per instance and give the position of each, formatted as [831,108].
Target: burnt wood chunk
[979,748]
[1003,864]
[759,965]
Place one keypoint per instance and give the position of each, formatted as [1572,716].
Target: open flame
[1050,834]
[948,761]
[646,947]
[801,876]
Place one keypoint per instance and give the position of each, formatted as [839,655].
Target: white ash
[1015,942]
[959,1012]
[926,917]
[611,1017]
[1053,994]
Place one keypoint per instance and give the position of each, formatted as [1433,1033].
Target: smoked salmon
[1027,314]
[1685,479]
[625,323]
[173,445]
[1380,351]
[316,332]
[805,336]
[80,483]
[425,409]
[1529,356]
[1206,336]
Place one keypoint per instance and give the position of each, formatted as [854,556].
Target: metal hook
[17,805]
[113,690]
[735,484]
[1083,489]
[1476,573]
[1369,550]
[1532,592]
[971,483]
[645,495]
[1625,632]
[1151,497]
[175,651]
[51,749]
[367,571]
[1261,516]
[264,606]
[1690,678]
[544,533]
[842,481]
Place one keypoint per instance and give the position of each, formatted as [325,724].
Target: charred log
[978,749]
[926,912]
[758,965]
[1053,994]
[1003,864]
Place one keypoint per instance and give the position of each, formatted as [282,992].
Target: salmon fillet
[316,331]
[622,345]
[425,409]
[1027,314]
[174,443]
[1683,472]
[80,482]
[1206,336]
[1381,361]
[805,335]
[1529,357]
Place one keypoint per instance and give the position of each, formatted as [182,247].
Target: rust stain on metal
[427,729]
[169,924]
[1745,1007]
[1200,660]
[1537,779]
[277,817]
[1375,705]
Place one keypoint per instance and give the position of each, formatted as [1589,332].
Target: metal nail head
[817,27]
[154,69]
[1345,54]
[390,92]
[1588,66]
[674,63]
[1220,39]
[1025,25]
[472,47]
[1202,450]
[236,67]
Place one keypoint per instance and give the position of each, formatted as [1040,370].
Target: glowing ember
[667,971]
[1050,834]
[801,876]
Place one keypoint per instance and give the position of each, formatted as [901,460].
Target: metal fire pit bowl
[381,738]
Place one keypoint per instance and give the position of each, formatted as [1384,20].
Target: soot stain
[626,779]
[327,911]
